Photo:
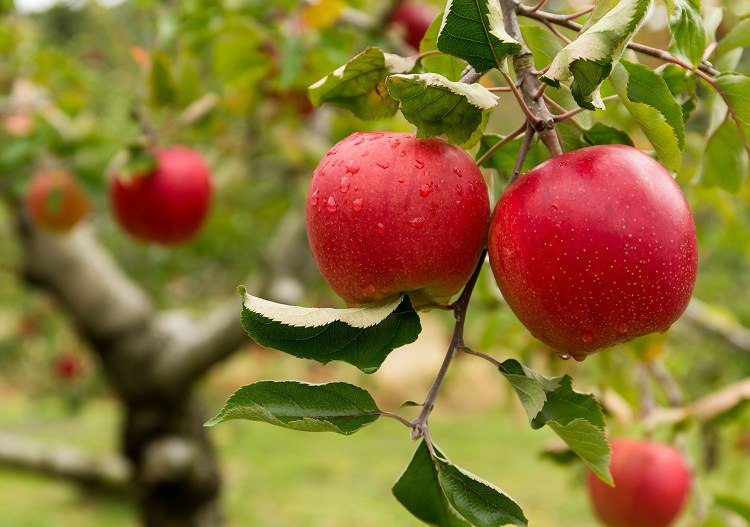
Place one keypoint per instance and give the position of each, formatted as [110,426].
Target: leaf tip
[242,290]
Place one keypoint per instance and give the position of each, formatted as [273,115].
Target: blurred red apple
[167,204]
[412,18]
[55,201]
[389,213]
[594,247]
[652,483]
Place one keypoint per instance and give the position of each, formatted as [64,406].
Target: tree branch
[716,323]
[529,85]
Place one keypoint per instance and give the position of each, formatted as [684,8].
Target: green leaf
[438,106]
[480,502]
[362,336]
[602,134]
[543,48]
[161,83]
[359,85]
[687,29]
[446,65]
[418,490]
[725,163]
[736,505]
[737,37]
[473,30]
[682,84]
[334,407]
[736,89]
[504,159]
[590,57]
[648,99]
[576,417]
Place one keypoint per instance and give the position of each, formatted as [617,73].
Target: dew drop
[359,141]
[459,189]
[357,204]
[381,228]
[622,328]
[331,204]
[564,356]
[586,336]
[375,135]
[352,166]
[332,151]
[344,184]
[403,153]
[401,179]
[457,172]
[419,164]
[383,164]
[314,198]
[394,142]
[426,189]
[417,222]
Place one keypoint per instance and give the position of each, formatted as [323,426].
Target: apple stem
[505,140]
[420,427]
[575,111]
[522,152]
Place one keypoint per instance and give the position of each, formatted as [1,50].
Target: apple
[652,483]
[389,213]
[168,203]
[594,247]
[412,19]
[55,201]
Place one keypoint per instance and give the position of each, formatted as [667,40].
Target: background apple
[55,201]
[412,19]
[389,213]
[594,247]
[167,205]
[652,483]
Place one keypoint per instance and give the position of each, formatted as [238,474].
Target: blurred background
[80,81]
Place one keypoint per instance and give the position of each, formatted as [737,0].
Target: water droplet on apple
[426,189]
[369,289]
[564,356]
[459,189]
[331,204]
[383,164]
[352,166]
[403,153]
[359,141]
[314,198]
[357,204]
[419,164]
[375,135]
[401,179]
[381,228]
[586,336]
[418,222]
[394,142]
[457,172]
[622,328]
[344,184]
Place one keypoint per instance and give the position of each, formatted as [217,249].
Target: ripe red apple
[55,201]
[412,18]
[652,483]
[594,247]
[168,204]
[389,213]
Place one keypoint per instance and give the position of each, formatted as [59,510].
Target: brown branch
[523,65]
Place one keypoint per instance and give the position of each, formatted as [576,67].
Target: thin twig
[533,119]
[538,6]
[559,108]
[505,140]
[500,89]
[575,111]
[664,377]
[557,33]
[579,14]
[522,152]
[493,360]
[397,418]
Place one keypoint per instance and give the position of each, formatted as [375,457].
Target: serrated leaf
[359,85]
[576,417]
[334,407]
[418,490]
[448,66]
[589,59]
[473,31]
[602,134]
[737,37]
[161,82]
[436,105]
[687,29]
[736,89]
[361,336]
[480,502]
[725,162]
[648,99]
[504,159]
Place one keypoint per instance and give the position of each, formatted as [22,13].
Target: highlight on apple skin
[169,204]
[388,213]
[594,247]
[652,484]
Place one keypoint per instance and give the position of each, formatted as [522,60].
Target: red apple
[55,201]
[594,247]
[652,483]
[168,204]
[412,18]
[389,213]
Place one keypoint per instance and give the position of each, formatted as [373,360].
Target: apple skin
[652,483]
[389,213]
[594,247]
[168,205]
[55,201]
[414,18]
